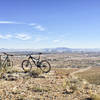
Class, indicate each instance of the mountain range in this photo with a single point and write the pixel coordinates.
(51, 50)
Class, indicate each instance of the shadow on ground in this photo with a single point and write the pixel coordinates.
(14, 75)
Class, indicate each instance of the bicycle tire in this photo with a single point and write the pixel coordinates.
(8, 65)
(27, 66)
(43, 66)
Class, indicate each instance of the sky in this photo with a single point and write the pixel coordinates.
(31, 24)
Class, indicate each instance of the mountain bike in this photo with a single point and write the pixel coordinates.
(44, 65)
(6, 63)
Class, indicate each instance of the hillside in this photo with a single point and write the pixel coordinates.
(56, 85)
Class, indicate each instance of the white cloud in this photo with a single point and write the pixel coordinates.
(8, 36)
(39, 27)
(38, 39)
(36, 26)
(32, 24)
(7, 22)
(10, 22)
(56, 41)
(23, 36)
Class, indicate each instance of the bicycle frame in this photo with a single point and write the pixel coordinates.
(6, 60)
(44, 65)
(34, 60)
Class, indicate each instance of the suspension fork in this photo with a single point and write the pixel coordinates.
(30, 58)
(34, 61)
(4, 62)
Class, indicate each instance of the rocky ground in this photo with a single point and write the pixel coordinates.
(59, 84)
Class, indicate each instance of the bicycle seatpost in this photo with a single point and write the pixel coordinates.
(39, 55)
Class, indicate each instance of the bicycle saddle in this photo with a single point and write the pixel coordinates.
(39, 53)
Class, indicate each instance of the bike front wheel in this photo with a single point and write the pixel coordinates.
(8, 65)
(45, 66)
(26, 65)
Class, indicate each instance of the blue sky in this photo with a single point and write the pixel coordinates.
(49, 23)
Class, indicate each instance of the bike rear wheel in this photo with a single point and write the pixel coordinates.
(45, 66)
(26, 65)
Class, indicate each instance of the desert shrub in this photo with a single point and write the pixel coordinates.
(74, 88)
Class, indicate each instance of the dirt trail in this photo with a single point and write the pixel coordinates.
(81, 70)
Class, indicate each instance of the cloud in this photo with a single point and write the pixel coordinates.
(23, 36)
(7, 22)
(36, 26)
(56, 41)
(11, 22)
(39, 27)
(38, 39)
(32, 24)
(8, 36)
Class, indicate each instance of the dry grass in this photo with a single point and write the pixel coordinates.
(92, 75)
(95, 97)
(56, 85)
(27, 87)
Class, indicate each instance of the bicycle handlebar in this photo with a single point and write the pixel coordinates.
(32, 54)
(7, 54)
